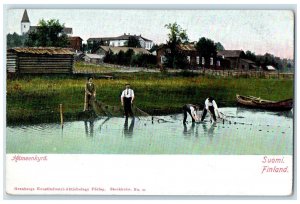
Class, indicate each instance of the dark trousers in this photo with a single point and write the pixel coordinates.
(89, 102)
(127, 107)
(212, 110)
(186, 110)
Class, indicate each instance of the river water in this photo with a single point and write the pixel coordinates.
(244, 132)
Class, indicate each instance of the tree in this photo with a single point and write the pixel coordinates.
(207, 49)
(176, 36)
(133, 42)
(15, 40)
(121, 57)
(219, 46)
(128, 55)
(48, 34)
(250, 55)
(154, 48)
(109, 57)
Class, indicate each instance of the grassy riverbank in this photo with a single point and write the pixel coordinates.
(37, 98)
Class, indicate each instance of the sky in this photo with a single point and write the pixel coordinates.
(260, 31)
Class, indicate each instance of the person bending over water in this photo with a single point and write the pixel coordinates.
(192, 111)
(211, 106)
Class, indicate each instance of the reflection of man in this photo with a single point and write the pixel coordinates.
(89, 129)
(128, 132)
(186, 131)
(210, 131)
(127, 98)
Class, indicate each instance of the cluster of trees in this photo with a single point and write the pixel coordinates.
(15, 40)
(269, 59)
(46, 34)
(129, 58)
(49, 34)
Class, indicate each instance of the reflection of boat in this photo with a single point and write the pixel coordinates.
(254, 102)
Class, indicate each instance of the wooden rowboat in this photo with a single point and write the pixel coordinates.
(254, 102)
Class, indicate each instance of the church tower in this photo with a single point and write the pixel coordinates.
(25, 23)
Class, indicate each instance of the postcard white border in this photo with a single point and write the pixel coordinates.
(81, 174)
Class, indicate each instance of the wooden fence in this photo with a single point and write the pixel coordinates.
(246, 74)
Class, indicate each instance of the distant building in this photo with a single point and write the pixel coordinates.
(25, 23)
(26, 26)
(188, 50)
(40, 60)
(270, 68)
(75, 43)
(121, 41)
(92, 58)
(235, 59)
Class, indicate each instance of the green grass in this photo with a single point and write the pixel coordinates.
(93, 68)
(36, 98)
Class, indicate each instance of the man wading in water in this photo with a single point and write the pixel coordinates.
(90, 94)
(127, 98)
(192, 110)
(211, 106)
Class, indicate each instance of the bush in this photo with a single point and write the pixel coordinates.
(129, 58)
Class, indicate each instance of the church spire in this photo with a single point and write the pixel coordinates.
(25, 18)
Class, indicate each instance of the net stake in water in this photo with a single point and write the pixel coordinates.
(61, 116)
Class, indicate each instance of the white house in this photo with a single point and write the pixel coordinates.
(122, 41)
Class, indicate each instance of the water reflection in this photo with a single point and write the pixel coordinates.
(188, 132)
(267, 133)
(128, 131)
(103, 122)
(241, 110)
(193, 130)
(287, 114)
(89, 128)
(209, 131)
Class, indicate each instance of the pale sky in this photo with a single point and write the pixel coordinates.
(260, 31)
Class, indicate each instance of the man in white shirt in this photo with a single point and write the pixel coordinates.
(211, 106)
(127, 98)
(192, 110)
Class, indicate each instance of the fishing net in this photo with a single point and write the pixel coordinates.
(102, 109)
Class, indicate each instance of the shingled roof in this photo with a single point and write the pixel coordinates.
(25, 18)
(231, 53)
(42, 50)
(187, 47)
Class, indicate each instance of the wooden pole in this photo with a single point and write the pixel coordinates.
(61, 116)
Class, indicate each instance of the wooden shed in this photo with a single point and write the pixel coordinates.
(40, 60)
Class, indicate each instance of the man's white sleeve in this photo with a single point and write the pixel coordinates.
(132, 95)
(206, 104)
(215, 105)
